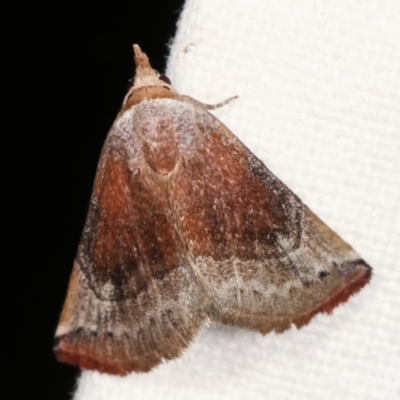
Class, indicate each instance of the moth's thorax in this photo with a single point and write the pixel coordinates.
(157, 140)
(164, 125)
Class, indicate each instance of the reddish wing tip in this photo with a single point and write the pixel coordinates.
(361, 276)
(86, 362)
(75, 355)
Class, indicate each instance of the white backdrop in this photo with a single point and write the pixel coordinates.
(319, 87)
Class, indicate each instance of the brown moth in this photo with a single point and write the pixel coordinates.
(186, 226)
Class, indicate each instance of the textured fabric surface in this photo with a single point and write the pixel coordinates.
(319, 103)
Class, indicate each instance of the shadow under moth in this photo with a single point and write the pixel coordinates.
(185, 227)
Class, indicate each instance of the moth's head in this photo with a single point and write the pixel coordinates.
(146, 77)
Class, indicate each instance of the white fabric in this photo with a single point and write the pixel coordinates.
(319, 87)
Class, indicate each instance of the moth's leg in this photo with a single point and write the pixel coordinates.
(211, 106)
